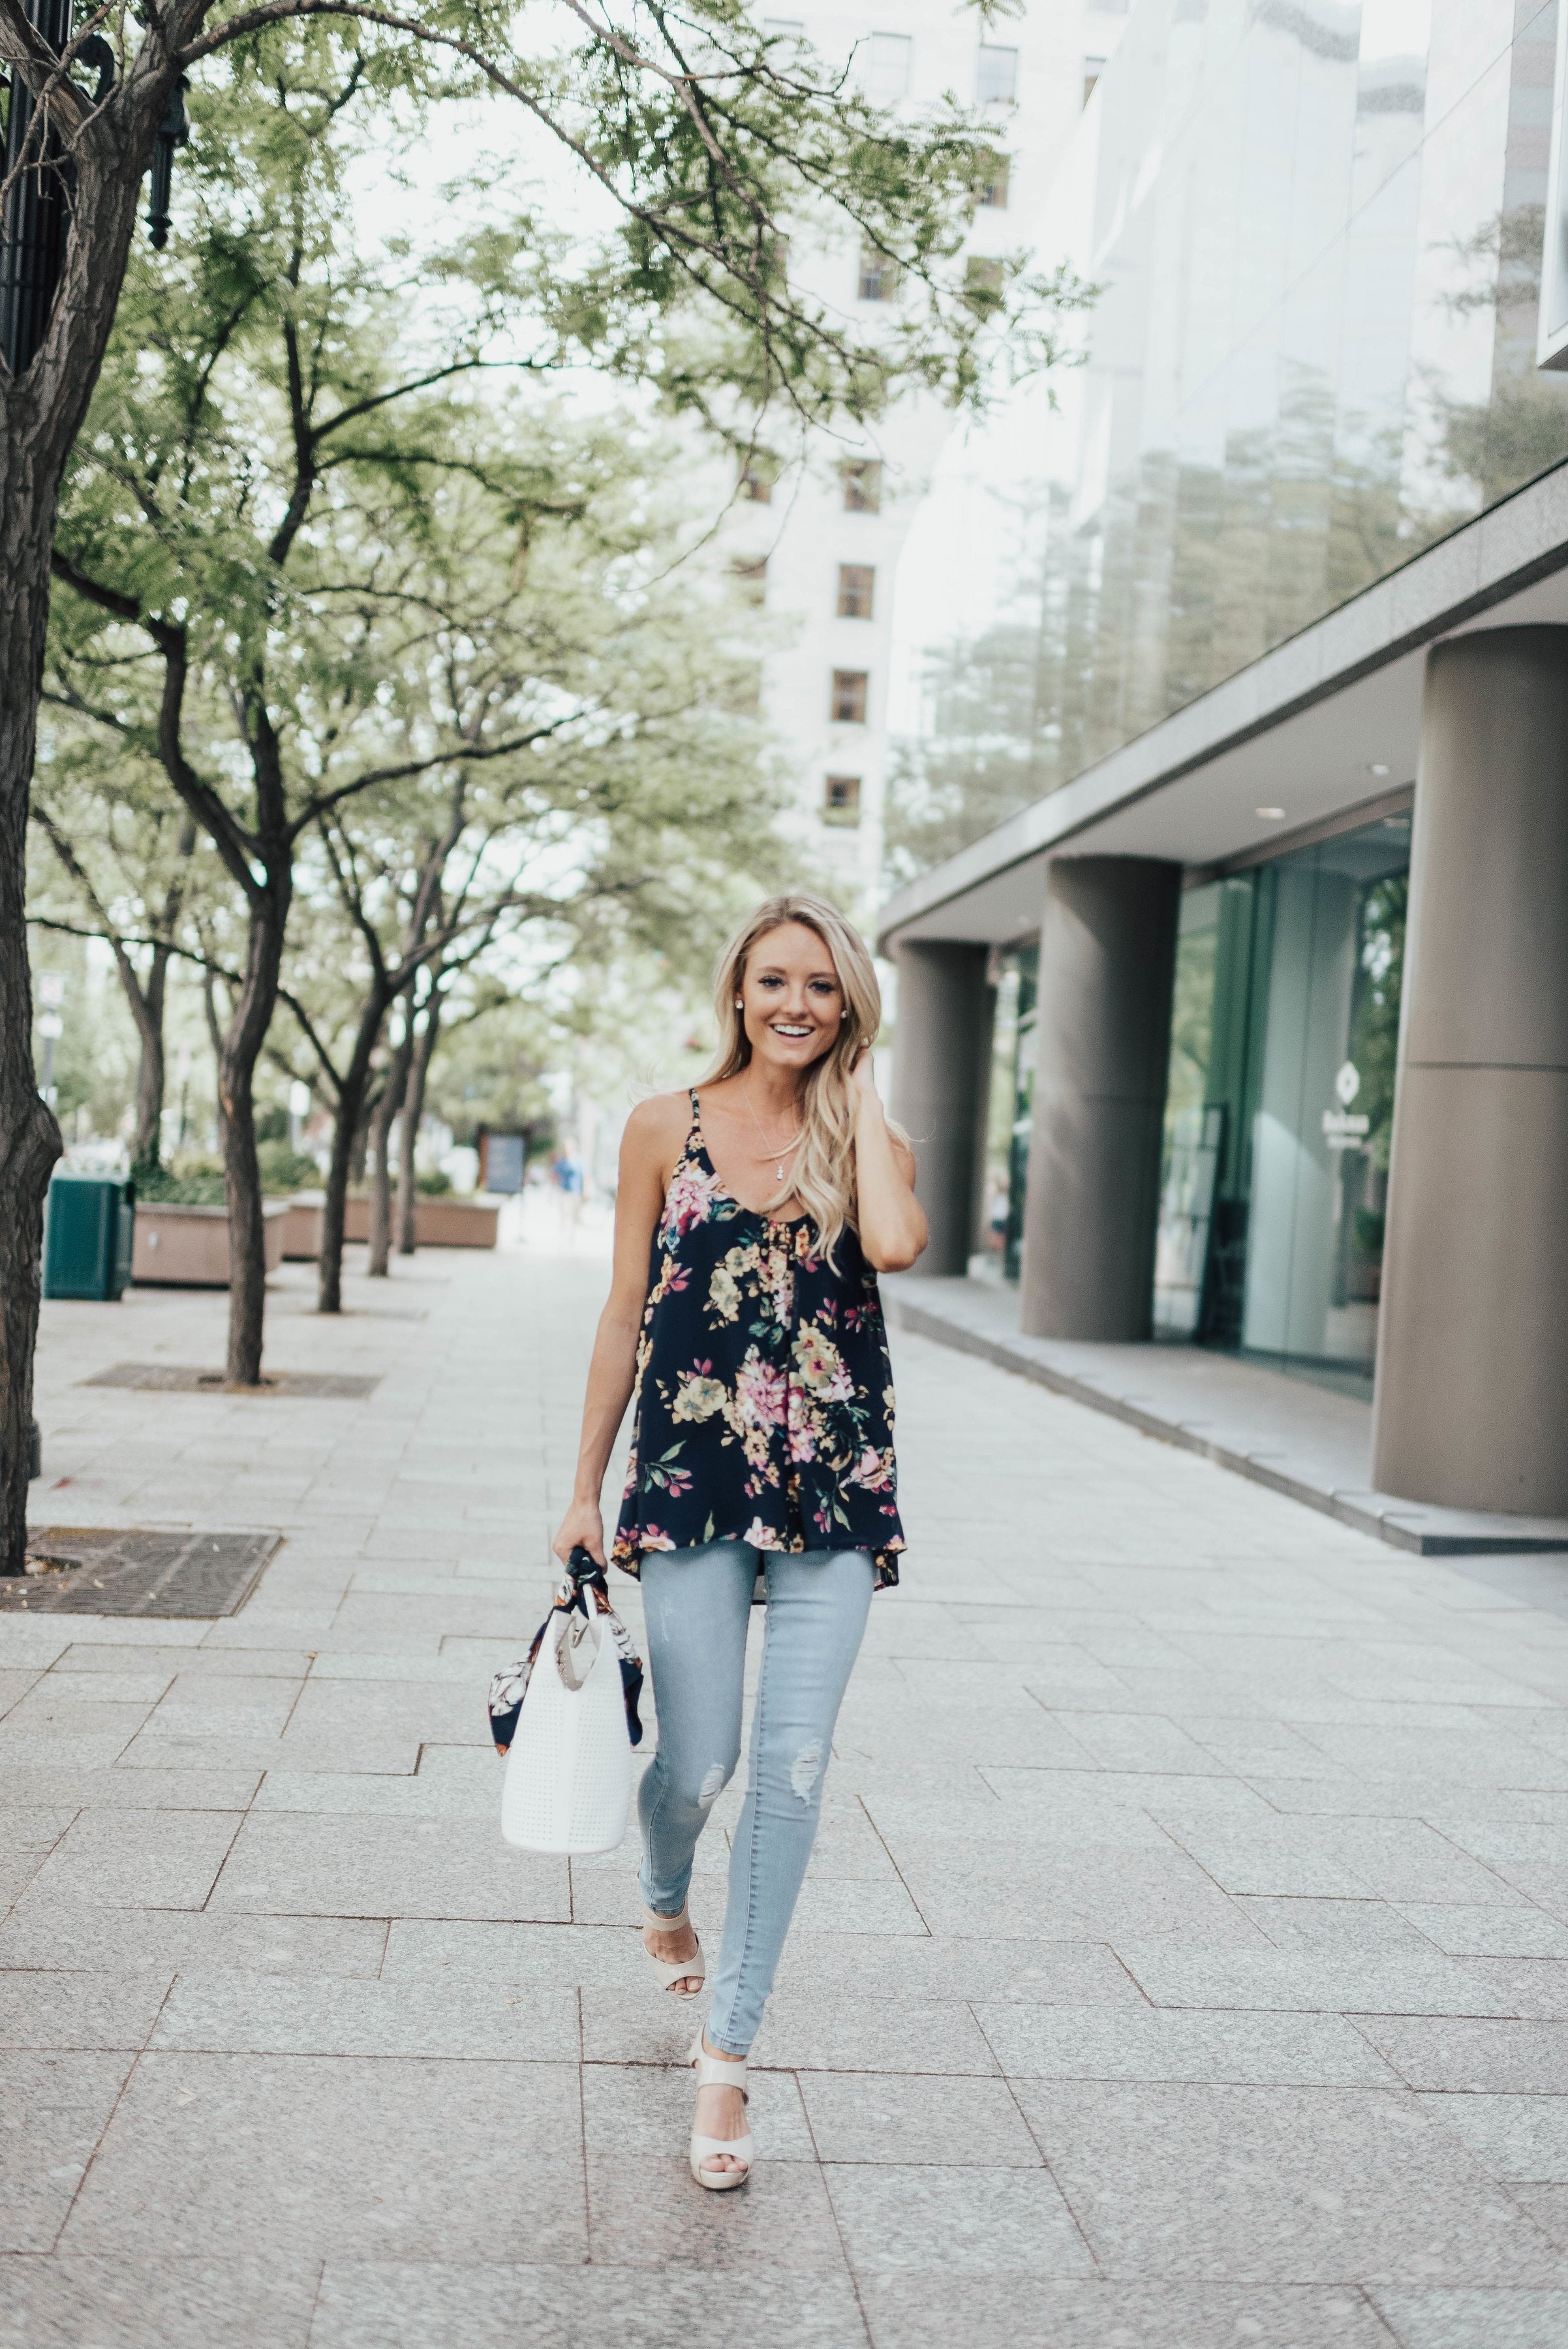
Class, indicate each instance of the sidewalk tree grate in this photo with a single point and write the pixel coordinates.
(102, 1570)
(170, 1378)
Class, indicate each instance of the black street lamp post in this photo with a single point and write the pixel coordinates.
(34, 222)
(36, 210)
(172, 132)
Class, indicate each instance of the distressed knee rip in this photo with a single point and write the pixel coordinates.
(806, 1769)
(713, 1786)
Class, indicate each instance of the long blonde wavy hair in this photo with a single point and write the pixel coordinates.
(824, 1175)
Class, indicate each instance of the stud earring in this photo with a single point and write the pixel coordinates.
(739, 1006)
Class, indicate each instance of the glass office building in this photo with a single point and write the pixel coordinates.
(1228, 839)
(1317, 230)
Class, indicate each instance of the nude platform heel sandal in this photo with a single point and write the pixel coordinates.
(718, 2072)
(693, 1968)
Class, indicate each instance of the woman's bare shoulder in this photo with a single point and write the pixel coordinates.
(657, 1127)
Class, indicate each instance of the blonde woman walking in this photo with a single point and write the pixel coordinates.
(753, 1218)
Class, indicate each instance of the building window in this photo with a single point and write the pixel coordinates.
(841, 799)
(991, 189)
(996, 76)
(879, 280)
(863, 485)
(758, 474)
(983, 291)
(889, 62)
(856, 587)
(1093, 68)
(849, 696)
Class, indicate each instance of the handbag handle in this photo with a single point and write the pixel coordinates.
(587, 1573)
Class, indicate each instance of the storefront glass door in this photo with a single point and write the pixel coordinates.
(1281, 1106)
(1008, 1115)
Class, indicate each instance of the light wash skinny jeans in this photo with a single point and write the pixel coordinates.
(697, 1604)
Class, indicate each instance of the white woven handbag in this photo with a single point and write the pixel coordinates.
(568, 1788)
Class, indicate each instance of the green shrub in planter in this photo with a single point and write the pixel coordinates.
(199, 1183)
(285, 1170)
(434, 1185)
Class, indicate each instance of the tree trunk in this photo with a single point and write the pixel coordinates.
(146, 1002)
(152, 1076)
(394, 1097)
(409, 1133)
(335, 1202)
(41, 410)
(241, 1047)
(347, 1129)
(147, 1144)
(215, 1037)
(30, 1138)
(359, 1145)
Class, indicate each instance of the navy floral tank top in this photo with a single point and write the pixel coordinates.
(764, 1394)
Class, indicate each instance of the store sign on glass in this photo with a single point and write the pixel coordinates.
(1344, 1128)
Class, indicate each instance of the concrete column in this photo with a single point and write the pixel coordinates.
(1107, 959)
(941, 1063)
(1471, 1406)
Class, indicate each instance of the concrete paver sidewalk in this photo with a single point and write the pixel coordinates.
(1184, 1960)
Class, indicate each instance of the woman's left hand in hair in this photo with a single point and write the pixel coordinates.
(893, 1229)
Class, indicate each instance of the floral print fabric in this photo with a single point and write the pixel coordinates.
(764, 1394)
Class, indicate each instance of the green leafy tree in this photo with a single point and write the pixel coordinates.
(496, 1048)
(704, 142)
(633, 807)
(115, 858)
(276, 540)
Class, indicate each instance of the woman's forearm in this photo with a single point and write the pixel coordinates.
(610, 1376)
(893, 1228)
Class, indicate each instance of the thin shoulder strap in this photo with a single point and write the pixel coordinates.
(696, 1113)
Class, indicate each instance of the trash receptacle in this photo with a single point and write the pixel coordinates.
(88, 1226)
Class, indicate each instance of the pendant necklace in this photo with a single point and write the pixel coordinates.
(768, 1150)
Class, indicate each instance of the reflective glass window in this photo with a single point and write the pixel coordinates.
(1280, 1106)
(862, 479)
(1010, 1106)
(1318, 233)
(841, 799)
(996, 76)
(889, 63)
(848, 699)
(856, 590)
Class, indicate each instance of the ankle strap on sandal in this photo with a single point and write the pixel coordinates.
(717, 2071)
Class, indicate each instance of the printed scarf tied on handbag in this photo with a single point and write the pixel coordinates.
(583, 1586)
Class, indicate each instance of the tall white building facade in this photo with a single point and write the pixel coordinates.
(819, 542)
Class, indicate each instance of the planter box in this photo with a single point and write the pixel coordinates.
(301, 1228)
(454, 1223)
(188, 1247)
(438, 1223)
